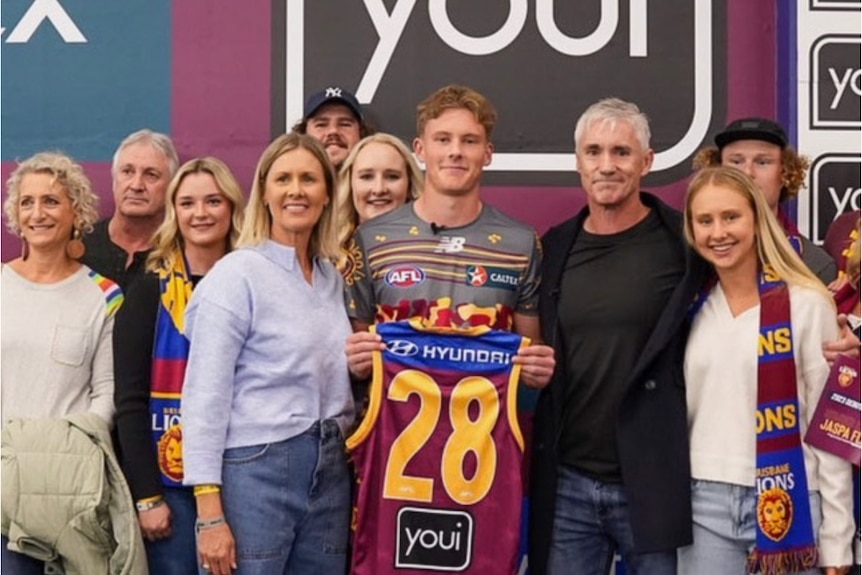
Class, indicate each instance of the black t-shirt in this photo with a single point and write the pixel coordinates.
(107, 258)
(613, 290)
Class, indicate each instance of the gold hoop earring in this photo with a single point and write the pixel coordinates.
(75, 249)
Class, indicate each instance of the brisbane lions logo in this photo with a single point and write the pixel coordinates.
(846, 376)
(171, 453)
(774, 513)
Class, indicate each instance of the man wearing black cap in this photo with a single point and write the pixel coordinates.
(334, 116)
(759, 147)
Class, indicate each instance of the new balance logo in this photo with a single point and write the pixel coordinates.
(450, 245)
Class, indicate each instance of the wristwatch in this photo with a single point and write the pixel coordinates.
(146, 505)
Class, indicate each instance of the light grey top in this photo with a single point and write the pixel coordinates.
(267, 356)
(56, 347)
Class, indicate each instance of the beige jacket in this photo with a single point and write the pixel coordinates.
(64, 499)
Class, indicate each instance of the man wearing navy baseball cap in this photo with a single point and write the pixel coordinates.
(334, 116)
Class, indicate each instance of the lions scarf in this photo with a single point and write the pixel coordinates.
(785, 537)
(170, 354)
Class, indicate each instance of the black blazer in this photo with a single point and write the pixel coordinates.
(652, 430)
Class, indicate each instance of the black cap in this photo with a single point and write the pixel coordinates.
(329, 95)
(752, 129)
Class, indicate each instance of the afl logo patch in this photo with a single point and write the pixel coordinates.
(405, 277)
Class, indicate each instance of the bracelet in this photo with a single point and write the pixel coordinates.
(209, 523)
(208, 488)
(149, 503)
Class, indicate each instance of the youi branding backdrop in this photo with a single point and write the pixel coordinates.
(540, 62)
(224, 77)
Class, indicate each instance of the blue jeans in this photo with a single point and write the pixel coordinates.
(178, 554)
(724, 528)
(14, 563)
(591, 522)
(288, 504)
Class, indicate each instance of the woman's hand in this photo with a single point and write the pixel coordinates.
(360, 349)
(216, 545)
(217, 549)
(156, 522)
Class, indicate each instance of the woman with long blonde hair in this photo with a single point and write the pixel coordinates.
(378, 176)
(763, 501)
(267, 394)
(203, 217)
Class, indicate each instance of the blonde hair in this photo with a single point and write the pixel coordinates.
(348, 216)
(456, 97)
(68, 174)
(794, 167)
(773, 247)
(257, 227)
(168, 240)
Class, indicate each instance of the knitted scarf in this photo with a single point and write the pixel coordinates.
(170, 354)
(793, 235)
(785, 539)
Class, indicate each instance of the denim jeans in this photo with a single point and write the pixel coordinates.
(591, 522)
(724, 528)
(288, 504)
(14, 563)
(178, 554)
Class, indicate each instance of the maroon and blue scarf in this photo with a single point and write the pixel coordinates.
(785, 536)
(170, 354)
(785, 540)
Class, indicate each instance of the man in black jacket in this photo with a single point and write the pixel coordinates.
(610, 462)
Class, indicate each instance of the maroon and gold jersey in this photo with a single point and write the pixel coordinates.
(438, 454)
(400, 267)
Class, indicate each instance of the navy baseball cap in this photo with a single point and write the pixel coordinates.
(752, 129)
(333, 94)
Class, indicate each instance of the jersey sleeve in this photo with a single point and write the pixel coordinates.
(528, 294)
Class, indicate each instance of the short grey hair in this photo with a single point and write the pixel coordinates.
(614, 110)
(157, 140)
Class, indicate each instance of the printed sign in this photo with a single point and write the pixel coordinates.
(835, 5)
(541, 63)
(836, 426)
(836, 87)
(81, 75)
(835, 188)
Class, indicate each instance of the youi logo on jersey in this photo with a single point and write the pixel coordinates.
(434, 539)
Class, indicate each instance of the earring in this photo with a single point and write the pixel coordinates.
(75, 249)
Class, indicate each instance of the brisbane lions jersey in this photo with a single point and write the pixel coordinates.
(438, 454)
(400, 267)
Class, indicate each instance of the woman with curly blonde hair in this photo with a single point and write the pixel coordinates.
(58, 316)
(760, 148)
(204, 209)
